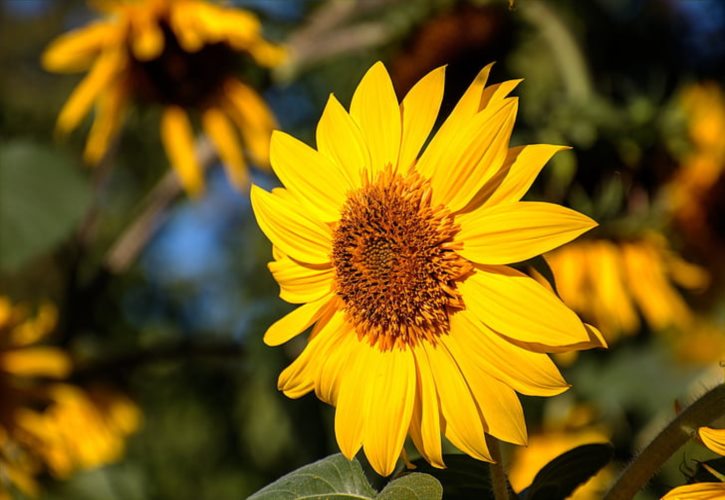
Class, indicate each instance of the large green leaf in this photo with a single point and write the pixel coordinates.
(42, 197)
(334, 478)
(414, 486)
(560, 477)
(463, 478)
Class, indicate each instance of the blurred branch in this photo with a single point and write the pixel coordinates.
(135, 237)
(161, 353)
(700, 413)
(327, 34)
(571, 63)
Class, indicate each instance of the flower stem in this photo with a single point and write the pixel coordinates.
(499, 483)
(703, 411)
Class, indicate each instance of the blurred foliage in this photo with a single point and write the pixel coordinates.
(181, 329)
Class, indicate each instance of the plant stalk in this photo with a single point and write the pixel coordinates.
(499, 483)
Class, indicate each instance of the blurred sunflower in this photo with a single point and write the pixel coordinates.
(181, 54)
(607, 282)
(399, 260)
(559, 436)
(41, 418)
(696, 192)
(714, 439)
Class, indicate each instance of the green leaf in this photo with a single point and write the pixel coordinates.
(560, 477)
(42, 197)
(463, 478)
(334, 478)
(413, 486)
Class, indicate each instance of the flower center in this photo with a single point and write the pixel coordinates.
(396, 268)
(187, 79)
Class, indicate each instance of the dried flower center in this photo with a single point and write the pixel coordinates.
(187, 79)
(396, 268)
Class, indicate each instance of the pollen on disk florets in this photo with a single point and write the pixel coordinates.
(395, 261)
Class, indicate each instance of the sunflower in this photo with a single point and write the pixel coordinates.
(399, 260)
(180, 54)
(714, 439)
(608, 282)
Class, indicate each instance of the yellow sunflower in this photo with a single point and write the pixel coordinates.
(181, 54)
(400, 261)
(608, 282)
(714, 439)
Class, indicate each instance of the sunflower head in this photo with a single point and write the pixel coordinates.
(399, 259)
(182, 55)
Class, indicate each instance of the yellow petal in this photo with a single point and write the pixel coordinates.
(464, 425)
(300, 283)
(493, 96)
(419, 111)
(147, 39)
(76, 50)
(519, 308)
(302, 375)
(391, 381)
(101, 75)
(295, 322)
(714, 439)
(459, 168)
(36, 361)
(324, 192)
(109, 116)
(220, 131)
(352, 402)
(515, 232)
(497, 402)
(520, 168)
(609, 286)
(530, 373)
(375, 108)
(252, 117)
(425, 426)
(339, 138)
(283, 222)
(178, 139)
(697, 491)
(334, 363)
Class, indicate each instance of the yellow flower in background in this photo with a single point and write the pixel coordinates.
(46, 424)
(557, 437)
(181, 54)
(695, 194)
(103, 418)
(611, 283)
(714, 439)
(399, 259)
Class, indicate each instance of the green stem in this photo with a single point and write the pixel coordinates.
(499, 483)
(703, 411)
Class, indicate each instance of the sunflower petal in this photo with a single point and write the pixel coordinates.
(109, 116)
(477, 152)
(340, 138)
(76, 50)
(530, 373)
(497, 401)
(519, 308)
(352, 403)
(334, 364)
(515, 232)
(283, 222)
(520, 168)
(79, 103)
(295, 322)
(252, 117)
(464, 426)
(220, 131)
(178, 139)
(300, 283)
(714, 439)
(323, 193)
(375, 108)
(36, 361)
(419, 111)
(391, 385)
(426, 421)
